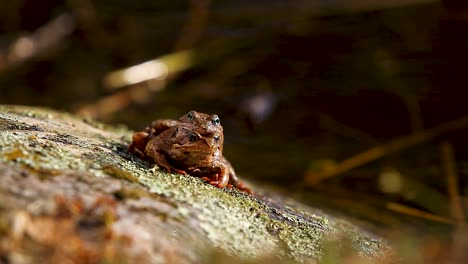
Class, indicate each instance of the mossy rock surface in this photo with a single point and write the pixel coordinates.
(69, 190)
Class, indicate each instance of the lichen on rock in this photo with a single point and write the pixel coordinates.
(56, 160)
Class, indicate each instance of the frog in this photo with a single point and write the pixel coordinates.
(193, 145)
(202, 123)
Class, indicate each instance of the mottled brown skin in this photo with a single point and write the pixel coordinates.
(192, 144)
(203, 124)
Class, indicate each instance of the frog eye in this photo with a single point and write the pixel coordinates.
(190, 115)
(193, 137)
(216, 138)
(215, 120)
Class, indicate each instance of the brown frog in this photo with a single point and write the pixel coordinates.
(192, 144)
(201, 123)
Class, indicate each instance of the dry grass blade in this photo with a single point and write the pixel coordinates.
(395, 145)
(38, 43)
(450, 171)
(406, 210)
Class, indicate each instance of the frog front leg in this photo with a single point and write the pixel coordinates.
(221, 179)
(233, 179)
(238, 184)
(161, 160)
(139, 141)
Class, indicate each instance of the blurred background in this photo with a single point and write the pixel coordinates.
(357, 107)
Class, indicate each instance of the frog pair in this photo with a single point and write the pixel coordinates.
(192, 144)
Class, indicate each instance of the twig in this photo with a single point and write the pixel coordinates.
(334, 126)
(105, 107)
(395, 145)
(413, 110)
(459, 242)
(199, 11)
(450, 171)
(41, 41)
(403, 209)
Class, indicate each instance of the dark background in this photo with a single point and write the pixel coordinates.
(299, 86)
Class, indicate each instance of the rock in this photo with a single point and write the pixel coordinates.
(70, 191)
